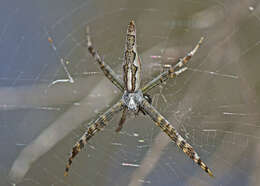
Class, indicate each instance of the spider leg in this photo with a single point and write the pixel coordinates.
(172, 71)
(122, 120)
(94, 127)
(140, 109)
(107, 70)
(149, 99)
(174, 135)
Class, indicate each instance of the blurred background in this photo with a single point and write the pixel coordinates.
(46, 103)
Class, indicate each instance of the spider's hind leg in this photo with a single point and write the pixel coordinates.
(107, 70)
(172, 70)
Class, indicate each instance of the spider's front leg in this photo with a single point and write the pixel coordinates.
(149, 99)
(109, 73)
(174, 135)
(94, 127)
(172, 71)
(122, 120)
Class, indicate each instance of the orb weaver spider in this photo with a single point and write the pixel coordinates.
(134, 98)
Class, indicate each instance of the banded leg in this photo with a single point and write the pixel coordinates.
(172, 71)
(174, 135)
(94, 127)
(109, 73)
(122, 120)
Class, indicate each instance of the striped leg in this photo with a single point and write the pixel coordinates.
(109, 73)
(122, 120)
(94, 127)
(172, 71)
(174, 135)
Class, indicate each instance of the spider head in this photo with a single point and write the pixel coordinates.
(132, 105)
(132, 100)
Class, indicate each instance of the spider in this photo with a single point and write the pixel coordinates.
(134, 98)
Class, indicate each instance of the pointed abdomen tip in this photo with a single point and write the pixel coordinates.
(132, 22)
(131, 27)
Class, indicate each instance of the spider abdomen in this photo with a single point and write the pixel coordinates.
(132, 64)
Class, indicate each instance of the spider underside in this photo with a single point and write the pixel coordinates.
(134, 98)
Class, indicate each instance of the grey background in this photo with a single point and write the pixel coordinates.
(214, 105)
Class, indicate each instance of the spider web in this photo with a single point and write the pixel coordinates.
(46, 103)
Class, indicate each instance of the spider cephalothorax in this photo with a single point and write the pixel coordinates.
(134, 98)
